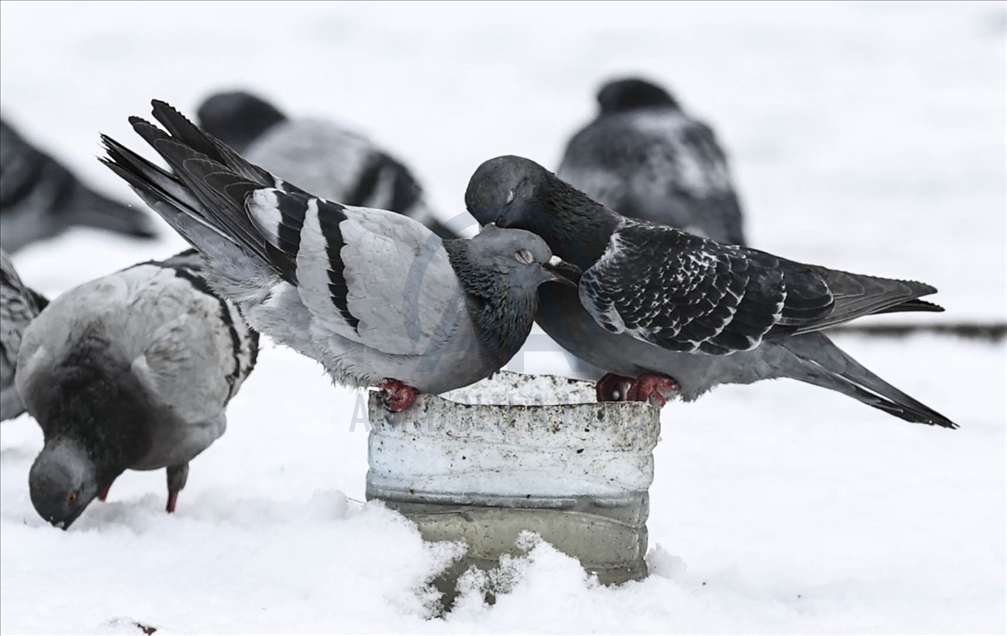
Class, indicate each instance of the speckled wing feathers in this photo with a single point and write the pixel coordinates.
(685, 293)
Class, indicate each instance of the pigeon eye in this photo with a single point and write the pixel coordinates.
(73, 497)
(524, 256)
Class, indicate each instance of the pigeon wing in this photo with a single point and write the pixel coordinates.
(373, 276)
(686, 293)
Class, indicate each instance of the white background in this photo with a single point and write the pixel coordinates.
(865, 137)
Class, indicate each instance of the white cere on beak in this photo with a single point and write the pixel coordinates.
(555, 260)
(524, 256)
(510, 196)
(60, 524)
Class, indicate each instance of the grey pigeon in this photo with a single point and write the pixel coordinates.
(374, 296)
(645, 158)
(130, 371)
(40, 199)
(319, 156)
(665, 312)
(18, 306)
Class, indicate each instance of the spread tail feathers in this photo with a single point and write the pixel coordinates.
(230, 265)
(820, 362)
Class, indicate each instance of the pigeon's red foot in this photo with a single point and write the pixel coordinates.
(613, 388)
(654, 388)
(103, 493)
(172, 500)
(398, 396)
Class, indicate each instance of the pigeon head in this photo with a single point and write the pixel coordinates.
(521, 257)
(237, 118)
(96, 416)
(62, 481)
(500, 271)
(514, 192)
(620, 96)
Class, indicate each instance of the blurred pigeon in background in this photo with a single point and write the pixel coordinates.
(372, 295)
(645, 158)
(18, 306)
(40, 199)
(130, 371)
(668, 313)
(317, 156)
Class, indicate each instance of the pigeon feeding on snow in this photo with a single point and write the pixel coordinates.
(318, 156)
(665, 312)
(372, 295)
(18, 306)
(645, 158)
(40, 199)
(130, 371)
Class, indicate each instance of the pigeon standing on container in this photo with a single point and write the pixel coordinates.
(318, 156)
(40, 199)
(645, 158)
(374, 296)
(130, 371)
(669, 313)
(19, 305)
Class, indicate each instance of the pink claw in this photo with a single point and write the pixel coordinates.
(398, 396)
(654, 388)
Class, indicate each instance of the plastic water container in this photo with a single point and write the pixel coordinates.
(519, 452)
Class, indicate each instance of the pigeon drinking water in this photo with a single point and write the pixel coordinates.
(374, 296)
(316, 155)
(40, 199)
(130, 371)
(668, 313)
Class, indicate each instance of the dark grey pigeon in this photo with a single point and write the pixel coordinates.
(374, 296)
(645, 158)
(668, 313)
(40, 199)
(319, 156)
(19, 305)
(130, 371)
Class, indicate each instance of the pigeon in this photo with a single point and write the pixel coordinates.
(666, 313)
(319, 156)
(130, 371)
(18, 306)
(645, 158)
(374, 296)
(40, 199)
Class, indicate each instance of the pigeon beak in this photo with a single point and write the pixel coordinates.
(60, 524)
(562, 272)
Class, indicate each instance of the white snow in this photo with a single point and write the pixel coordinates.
(866, 137)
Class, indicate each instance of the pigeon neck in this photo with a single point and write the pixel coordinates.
(503, 313)
(577, 228)
(96, 401)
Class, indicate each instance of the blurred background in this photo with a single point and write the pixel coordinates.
(868, 137)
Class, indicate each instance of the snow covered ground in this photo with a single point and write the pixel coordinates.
(868, 137)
